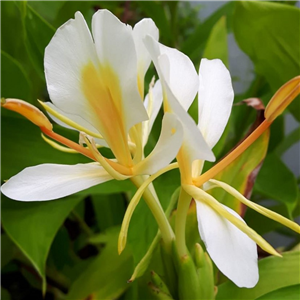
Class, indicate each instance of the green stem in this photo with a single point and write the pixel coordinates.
(180, 224)
(158, 213)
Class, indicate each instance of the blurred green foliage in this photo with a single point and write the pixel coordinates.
(48, 246)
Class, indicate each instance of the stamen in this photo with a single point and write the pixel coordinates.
(232, 155)
(27, 110)
(114, 169)
(68, 143)
(260, 209)
(199, 195)
(57, 146)
(68, 121)
(138, 155)
(134, 202)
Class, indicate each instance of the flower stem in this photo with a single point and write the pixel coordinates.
(158, 213)
(181, 215)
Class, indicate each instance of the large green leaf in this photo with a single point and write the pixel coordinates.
(156, 11)
(37, 34)
(22, 146)
(216, 45)
(274, 273)
(195, 43)
(287, 293)
(33, 226)
(276, 181)
(14, 80)
(270, 34)
(106, 276)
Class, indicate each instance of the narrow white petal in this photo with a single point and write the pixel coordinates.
(194, 145)
(152, 103)
(233, 252)
(140, 30)
(181, 76)
(50, 181)
(116, 50)
(215, 99)
(166, 148)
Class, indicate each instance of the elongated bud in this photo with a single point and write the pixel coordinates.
(160, 284)
(282, 98)
(27, 110)
(205, 273)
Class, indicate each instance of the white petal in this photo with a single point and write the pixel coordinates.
(152, 103)
(233, 252)
(194, 145)
(50, 181)
(70, 49)
(181, 77)
(215, 99)
(140, 30)
(116, 49)
(166, 148)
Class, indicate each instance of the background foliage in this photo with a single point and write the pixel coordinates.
(66, 248)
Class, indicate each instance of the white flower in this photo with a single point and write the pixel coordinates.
(229, 241)
(96, 84)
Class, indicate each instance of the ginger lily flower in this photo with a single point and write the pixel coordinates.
(96, 84)
(229, 241)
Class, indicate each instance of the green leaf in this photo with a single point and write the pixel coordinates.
(287, 293)
(5, 294)
(106, 276)
(155, 10)
(8, 250)
(12, 36)
(37, 35)
(33, 226)
(261, 29)
(274, 273)
(276, 181)
(22, 146)
(194, 44)
(14, 83)
(216, 45)
(109, 209)
(288, 141)
(48, 10)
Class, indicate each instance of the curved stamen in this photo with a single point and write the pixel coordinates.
(199, 195)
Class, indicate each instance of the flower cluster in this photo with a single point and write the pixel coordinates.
(96, 84)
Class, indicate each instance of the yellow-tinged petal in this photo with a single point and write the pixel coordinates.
(27, 110)
(262, 210)
(200, 195)
(101, 88)
(282, 98)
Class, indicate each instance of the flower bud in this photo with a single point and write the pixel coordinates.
(27, 110)
(282, 98)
